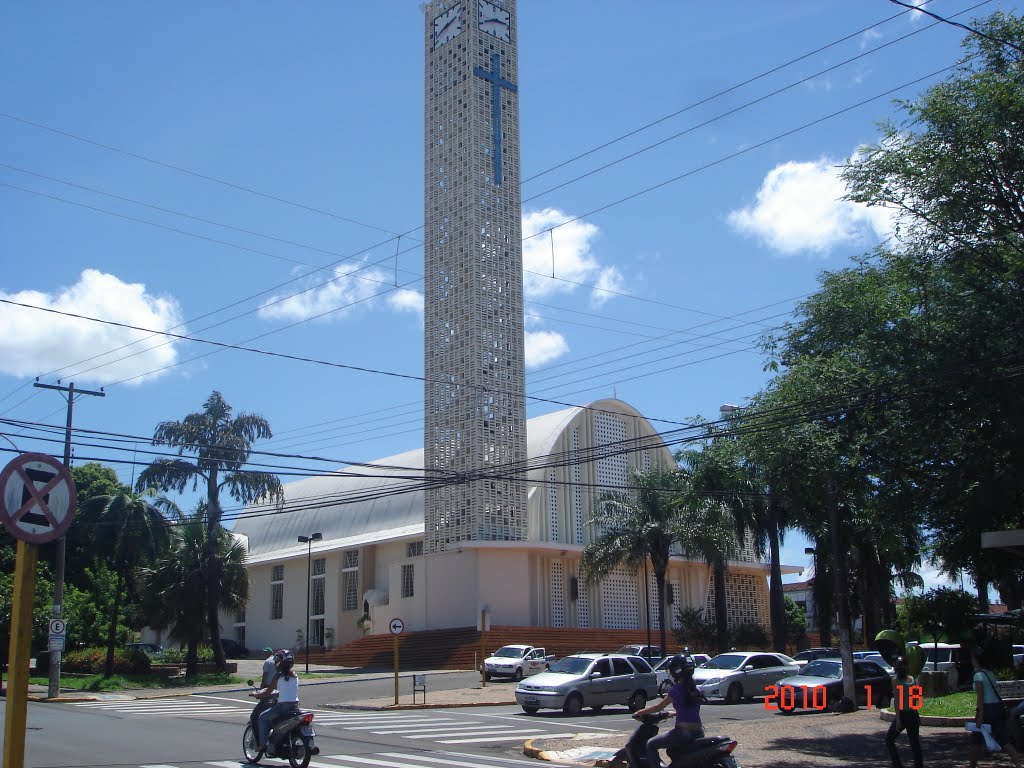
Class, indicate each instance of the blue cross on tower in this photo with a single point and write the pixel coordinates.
(497, 83)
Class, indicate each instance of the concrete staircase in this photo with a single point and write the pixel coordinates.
(460, 648)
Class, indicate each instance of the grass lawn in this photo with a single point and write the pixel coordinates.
(128, 682)
(954, 705)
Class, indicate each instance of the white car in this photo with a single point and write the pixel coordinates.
(738, 675)
(517, 662)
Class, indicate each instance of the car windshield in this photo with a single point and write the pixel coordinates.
(726, 661)
(571, 665)
(508, 652)
(824, 668)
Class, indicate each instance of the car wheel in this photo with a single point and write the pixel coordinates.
(573, 705)
(637, 701)
(518, 674)
(531, 710)
(734, 694)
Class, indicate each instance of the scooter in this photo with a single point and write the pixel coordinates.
(292, 737)
(709, 752)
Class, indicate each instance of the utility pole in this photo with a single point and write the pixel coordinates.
(58, 571)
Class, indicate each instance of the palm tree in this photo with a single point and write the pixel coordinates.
(176, 585)
(130, 531)
(634, 528)
(710, 499)
(221, 445)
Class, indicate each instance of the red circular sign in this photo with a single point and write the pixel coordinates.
(39, 498)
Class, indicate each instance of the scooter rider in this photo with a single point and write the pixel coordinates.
(269, 670)
(286, 684)
(686, 700)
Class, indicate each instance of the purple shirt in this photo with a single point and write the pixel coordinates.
(686, 700)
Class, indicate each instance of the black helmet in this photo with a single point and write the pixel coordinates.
(681, 666)
(284, 660)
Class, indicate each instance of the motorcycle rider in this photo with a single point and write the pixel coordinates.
(686, 700)
(269, 670)
(286, 684)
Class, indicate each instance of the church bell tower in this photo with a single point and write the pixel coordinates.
(475, 423)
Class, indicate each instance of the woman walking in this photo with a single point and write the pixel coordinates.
(988, 710)
(906, 717)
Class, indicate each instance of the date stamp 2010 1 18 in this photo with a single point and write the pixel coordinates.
(787, 697)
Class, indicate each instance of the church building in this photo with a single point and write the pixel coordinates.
(487, 521)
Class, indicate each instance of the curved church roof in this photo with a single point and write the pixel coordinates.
(360, 504)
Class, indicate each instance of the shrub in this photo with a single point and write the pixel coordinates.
(749, 635)
(92, 661)
(180, 655)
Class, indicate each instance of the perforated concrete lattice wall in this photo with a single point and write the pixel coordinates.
(611, 467)
(582, 602)
(746, 596)
(619, 601)
(473, 310)
(557, 591)
(553, 506)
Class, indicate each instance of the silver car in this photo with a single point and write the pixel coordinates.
(589, 680)
(737, 675)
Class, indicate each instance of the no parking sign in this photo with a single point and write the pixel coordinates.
(38, 498)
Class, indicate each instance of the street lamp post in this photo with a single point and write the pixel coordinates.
(308, 540)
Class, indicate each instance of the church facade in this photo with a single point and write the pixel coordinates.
(488, 520)
(371, 557)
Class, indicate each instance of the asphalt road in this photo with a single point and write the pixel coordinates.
(206, 730)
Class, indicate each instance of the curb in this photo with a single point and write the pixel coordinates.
(932, 720)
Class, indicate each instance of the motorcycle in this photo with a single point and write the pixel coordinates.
(708, 752)
(291, 737)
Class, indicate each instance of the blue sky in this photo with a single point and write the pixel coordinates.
(210, 166)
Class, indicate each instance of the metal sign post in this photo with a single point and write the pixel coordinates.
(396, 626)
(15, 721)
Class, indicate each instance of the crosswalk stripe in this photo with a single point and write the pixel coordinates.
(489, 739)
(428, 727)
(472, 732)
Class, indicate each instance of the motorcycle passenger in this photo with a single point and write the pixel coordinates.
(686, 700)
(286, 684)
(269, 670)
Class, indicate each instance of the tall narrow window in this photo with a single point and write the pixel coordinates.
(317, 601)
(277, 592)
(350, 581)
(414, 549)
(408, 580)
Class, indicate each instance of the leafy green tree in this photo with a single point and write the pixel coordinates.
(176, 587)
(696, 632)
(221, 445)
(940, 613)
(796, 621)
(131, 532)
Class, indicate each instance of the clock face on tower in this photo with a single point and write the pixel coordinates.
(448, 25)
(494, 20)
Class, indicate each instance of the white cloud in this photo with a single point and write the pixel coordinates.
(799, 208)
(870, 35)
(543, 347)
(569, 245)
(34, 343)
(352, 284)
(610, 279)
(405, 300)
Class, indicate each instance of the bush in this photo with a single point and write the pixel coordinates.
(180, 655)
(92, 661)
(748, 636)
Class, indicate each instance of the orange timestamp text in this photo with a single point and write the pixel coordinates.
(786, 697)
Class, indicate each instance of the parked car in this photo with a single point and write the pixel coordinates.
(650, 652)
(1018, 655)
(149, 649)
(665, 679)
(233, 649)
(877, 658)
(517, 662)
(816, 653)
(819, 685)
(592, 680)
(738, 675)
